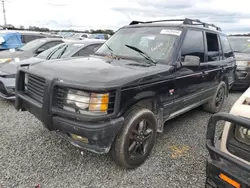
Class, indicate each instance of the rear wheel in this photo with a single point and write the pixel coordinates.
(215, 104)
(136, 138)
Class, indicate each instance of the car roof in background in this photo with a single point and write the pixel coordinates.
(85, 41)
(239, 36)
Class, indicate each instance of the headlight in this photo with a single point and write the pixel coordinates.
(79, 99)
(242, 134)
(6, 60)
(86, 103)
(243, 63)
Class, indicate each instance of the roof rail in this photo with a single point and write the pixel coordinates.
(186, 21)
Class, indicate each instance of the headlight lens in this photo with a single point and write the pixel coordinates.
(243, 63)
(242, 134)
(86, 103)
(78, 99)
(6, 60)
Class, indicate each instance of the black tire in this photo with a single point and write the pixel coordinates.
(215, 104)
(127, 139)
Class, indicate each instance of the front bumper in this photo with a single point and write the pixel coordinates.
(242, 78)
(222, 163)
(7, 88)
(215, 168)
(97, 134)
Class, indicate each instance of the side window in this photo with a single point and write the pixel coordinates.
(50, 44)
(27, 38)
(91, 49)
(213, 50)
(227, 50)
(193, 45)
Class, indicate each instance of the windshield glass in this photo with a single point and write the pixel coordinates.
(240, 44)
(45, 54)
(33, 45)
(61, 51)
(157, 42)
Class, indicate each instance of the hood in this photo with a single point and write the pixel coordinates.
(11, 68)
(242, 56)
(15, 54)
(100, 72)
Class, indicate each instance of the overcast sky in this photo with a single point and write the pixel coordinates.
(233, 16)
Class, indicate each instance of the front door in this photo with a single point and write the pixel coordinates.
(189, 84)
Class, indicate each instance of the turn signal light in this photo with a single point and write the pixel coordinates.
(229, 180)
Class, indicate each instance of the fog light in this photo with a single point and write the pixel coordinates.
(79, 138)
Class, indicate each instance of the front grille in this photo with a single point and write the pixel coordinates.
(60, 94)
(35, 87)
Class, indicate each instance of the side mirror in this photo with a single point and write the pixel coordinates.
(40, 50)
(191, 60)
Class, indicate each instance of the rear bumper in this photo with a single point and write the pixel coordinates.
(7, 88)
(242, 78)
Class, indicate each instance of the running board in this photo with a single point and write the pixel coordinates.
(186, 109)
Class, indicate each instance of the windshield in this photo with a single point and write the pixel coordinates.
(45, 54)
(61, 51)
(32, 45)
(156, 42)
(240, 44)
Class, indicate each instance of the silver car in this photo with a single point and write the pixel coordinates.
(64, 50)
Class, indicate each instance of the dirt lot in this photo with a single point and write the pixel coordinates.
(31, 155)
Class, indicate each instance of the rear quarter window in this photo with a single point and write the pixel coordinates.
(226, 47)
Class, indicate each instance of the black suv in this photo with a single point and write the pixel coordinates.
(118, 99)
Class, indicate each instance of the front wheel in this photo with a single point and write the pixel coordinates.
(136, 139)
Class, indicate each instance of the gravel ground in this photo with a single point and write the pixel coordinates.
(31, 155)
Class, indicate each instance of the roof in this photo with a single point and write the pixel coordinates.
(178, 23)
(239, 36)
(85, 41)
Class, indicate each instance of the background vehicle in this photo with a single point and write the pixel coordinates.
(30, 49)
(10, 39)
(118, 99)
(241, 47)
(98, 36)
(63, 50)
(80, 36)
(229, 162)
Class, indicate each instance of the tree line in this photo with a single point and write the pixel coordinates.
(44, 29)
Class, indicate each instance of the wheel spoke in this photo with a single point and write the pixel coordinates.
(141, 148)
(148, 134)
(142, 127)
(133, 147)
(135, 132)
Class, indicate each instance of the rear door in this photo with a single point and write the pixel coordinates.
(229, 59)
(213, 57)
(220, 61)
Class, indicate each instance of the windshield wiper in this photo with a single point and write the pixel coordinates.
(60, 55)
(112, 52)
(144, 54)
